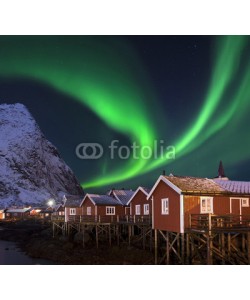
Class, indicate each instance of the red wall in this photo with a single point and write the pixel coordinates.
(169, 222)
(140, 199)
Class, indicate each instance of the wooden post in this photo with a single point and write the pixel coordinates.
(129, 234)
(223, 247)
(183, 248)
(229, 245)
(167, 248)
(83, 233)
(143, 237)
(209, 242)
(243, 242)
(53, 230)
(248, 246)
(109, 235)
(187, 249)
(117, 233)
(156, 248)
(96, 235)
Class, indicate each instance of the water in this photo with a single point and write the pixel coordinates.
(10, 254)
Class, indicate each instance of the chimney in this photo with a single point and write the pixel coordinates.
(163, 172)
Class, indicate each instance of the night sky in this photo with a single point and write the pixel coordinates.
(190, 92)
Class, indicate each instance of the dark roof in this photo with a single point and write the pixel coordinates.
(237, 187)
(195, 184)
(122, 195)
(103, 199)
(72, 200)
(58, 207)
(147, 190)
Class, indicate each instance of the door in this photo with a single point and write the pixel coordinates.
(235, 206)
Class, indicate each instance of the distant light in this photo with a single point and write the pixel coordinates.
(50, 202)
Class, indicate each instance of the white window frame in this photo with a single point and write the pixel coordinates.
(110, 210)
(138, 209)
(165, 206)
(246, 204)
(89, 210)
(146, 209)
(206, 210)
(72, 211)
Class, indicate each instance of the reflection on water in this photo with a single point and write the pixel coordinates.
(10, 254)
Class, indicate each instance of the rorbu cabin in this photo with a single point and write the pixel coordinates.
(17, 213)
(139, 204)
(123, 196)
(72, 209)
(101, 208)
(239, 201)
(175, 199)
(58, 210)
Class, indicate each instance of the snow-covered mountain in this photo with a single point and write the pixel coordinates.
(31, 170)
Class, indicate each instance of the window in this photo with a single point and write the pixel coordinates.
(72, 211)
(89, 210)
(138, 209)
(146, 209)
(165, 206)
(245, 202)
(110, 210)
(206, 205)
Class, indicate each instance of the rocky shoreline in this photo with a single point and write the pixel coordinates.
(35, 239)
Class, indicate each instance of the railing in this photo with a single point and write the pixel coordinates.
(116, 219)
(57, 218)
(210, 222)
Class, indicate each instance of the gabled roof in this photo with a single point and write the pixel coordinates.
(237, 187)
(101, 200)
(122, 195)
(58, 207)
(190, 185)
(17, 210)
(142, 189)
(72, 202)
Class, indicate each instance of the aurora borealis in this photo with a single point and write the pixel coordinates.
(192, 92)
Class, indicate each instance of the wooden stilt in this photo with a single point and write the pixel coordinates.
(167, 248)
(187, 249)
(223, 247)
(248, 247)
(183, 248)
(229, 245)
(96, 235)
(156, 247)
(109, 235)
(143, 237)
(129, 235)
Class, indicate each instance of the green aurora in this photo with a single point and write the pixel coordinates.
(111, 80)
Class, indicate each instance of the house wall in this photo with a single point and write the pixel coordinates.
(140, 199)
(170, 222)
(88, 203)
(67, 212)
(221, 206)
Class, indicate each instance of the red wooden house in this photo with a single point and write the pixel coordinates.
(139, 204)
(123, 196)
(101, 207)
(72, 209)
(175, 198)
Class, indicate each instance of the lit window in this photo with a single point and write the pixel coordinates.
(245, 202)
(138, 209)
(165, 206)
(207, 205)
(110, 210)
(146, 209)
(72, 211)
(89, 210)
